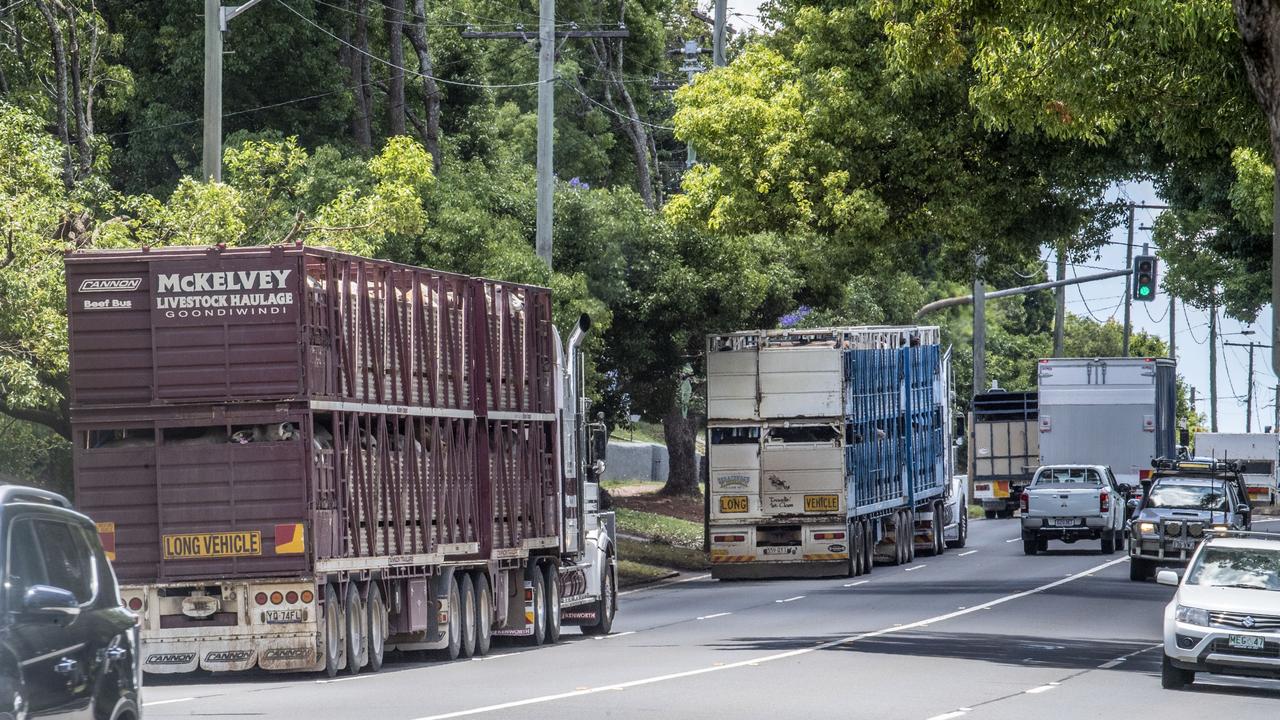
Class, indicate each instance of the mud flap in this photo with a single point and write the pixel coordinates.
(439, 617)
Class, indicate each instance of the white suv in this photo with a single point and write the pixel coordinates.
(1225, 617)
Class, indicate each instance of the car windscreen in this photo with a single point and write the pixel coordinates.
(1251, 568)
(1188, 497)
(1068, 476)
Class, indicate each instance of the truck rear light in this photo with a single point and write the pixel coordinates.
(1104, 501)
(277, 597)
(308, 596)
(135, 604)
(728, 538)
(291, 597)
(1024, 501)
(260, 598)
(829, 536)
(1144, 475)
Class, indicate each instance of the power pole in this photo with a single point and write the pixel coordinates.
(717, 33)
(1060, 305)
(1173, 329)
(1128, 282)
(216, 19)
(979, 333)
(691, 67)
(547, 36)
(546, 125)
(1213, 365)
(1248, 401)
(1276, 426)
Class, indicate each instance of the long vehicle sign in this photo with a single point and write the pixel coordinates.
(212, 545)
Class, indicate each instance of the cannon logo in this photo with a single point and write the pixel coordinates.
(170, 658)
(228, 656)
(110, 284)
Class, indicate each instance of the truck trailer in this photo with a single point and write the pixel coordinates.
(300, 459)
(1004, 449)
(829, 449)
(1256, 453)
(1118, 412)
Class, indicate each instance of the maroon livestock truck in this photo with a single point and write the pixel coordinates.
(299, 459)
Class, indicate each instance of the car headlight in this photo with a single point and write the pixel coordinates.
(1192, 616)
(1146, 528)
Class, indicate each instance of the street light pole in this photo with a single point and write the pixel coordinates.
(216, 19)
(1248, 401)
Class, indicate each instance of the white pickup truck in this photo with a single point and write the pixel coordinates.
(1070, 503)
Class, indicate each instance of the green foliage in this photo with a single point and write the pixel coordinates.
(660, 528)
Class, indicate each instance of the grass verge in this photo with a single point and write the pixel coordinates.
(660, 555)
(634, 573)
(660, 528)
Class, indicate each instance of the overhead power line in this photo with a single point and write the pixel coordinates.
(608, 109)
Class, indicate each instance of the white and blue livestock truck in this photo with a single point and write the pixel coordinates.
(829, 450)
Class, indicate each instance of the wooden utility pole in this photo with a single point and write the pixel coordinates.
(1213, 366)
(1128, 283)
(1060, 305)
(1248, 401)
(717, 33)
(216, 19)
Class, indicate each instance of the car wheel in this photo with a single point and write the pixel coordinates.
(1138, 569)
(1042, 544)
(1174, 678)
(1030, 545)
(1108, 542)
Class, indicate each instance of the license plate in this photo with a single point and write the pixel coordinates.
(789, 550)
(284, 616)
(733, 503)
(1064, 522)
(1182, 544)
(821, 503)
(1245, 642)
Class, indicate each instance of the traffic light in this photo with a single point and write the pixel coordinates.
(1144, 278)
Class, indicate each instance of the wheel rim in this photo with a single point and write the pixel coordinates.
(333, 628)
(377, 624)
(455, 622)
(539, 610)
(608, 595)
(469, 620)
(484, 615)
(553, 600)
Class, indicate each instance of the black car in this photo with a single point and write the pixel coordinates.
(68, 647)
(1186, 500)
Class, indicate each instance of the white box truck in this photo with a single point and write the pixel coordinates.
(1118, 412)
(1258, 452)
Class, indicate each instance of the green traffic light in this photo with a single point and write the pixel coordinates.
(1144, 291)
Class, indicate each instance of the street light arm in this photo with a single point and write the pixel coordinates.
(966, 299)
(235, 11)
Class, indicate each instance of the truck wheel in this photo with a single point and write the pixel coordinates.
(604, 607)
(1174, 678)
(553, 602)
(1108, 542)
(1139, 569)
(377, 624)
(963, 530)
(454, 628)
(939, 529)
(467, 622)
(332, 631)
(909, 530)
(357, 637)
(484, 614)
(1030, 545)
(868, 546)
(991, 514)
(539, 635)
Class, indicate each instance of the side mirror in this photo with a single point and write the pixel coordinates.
(1125, 489)
(1131, 503)
(1243, 509)
(1167, 577)
(49, 600)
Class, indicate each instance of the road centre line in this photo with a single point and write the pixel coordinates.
(949, 716)
(917, 567)
(970, 552)
(775, 657)
(716, 615)
(1013, 540)
(166, 702)
(1113, 663)
(790, 599)
(616, 635)
(1042, 688)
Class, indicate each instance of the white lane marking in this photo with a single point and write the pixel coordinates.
(969, 552)
(1113, 663)
(657, 585)
(345, 679)
(616, 635)
(917, 567)
(708, 617)
(1013, 540)
(1042, 688)
(950, 715)
(166, 702)
(775, 657)
(790, 599)
(856, 584)
(1110, 664)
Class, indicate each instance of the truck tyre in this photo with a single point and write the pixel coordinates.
(1030, 544)
(909, 530)
(854, 566)
(539, 634)
(467, 623)
(454, 628)
(939, 529)
(484, 614)
(895, 557)
(553, 602)
(333, 639)
(1139, 569)
(605, 606)
(1108, 542)
(357, 635)
(1174, 678)
(962, 530)
(868, 546)
(377, 624)
(991, 514)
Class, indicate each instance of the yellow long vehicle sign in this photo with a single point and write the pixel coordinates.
(212, 545)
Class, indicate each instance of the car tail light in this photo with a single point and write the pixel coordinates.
(260, 598)
(277, 597)
(135, 604)
(308, 596)
(1104, 501)
(1024, 501)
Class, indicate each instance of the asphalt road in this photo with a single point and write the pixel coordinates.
(982, 632)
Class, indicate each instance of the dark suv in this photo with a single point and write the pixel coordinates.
(68, 648)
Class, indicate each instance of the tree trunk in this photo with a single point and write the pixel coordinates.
(59, 90)
(634, 129)
(79, 99)
(360, 78)
(1259, 24)
(681, 434)
(395, 85)
(430, 91)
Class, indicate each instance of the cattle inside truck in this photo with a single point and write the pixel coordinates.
(300, 459)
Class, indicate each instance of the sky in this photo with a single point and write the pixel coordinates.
(1102, 300)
